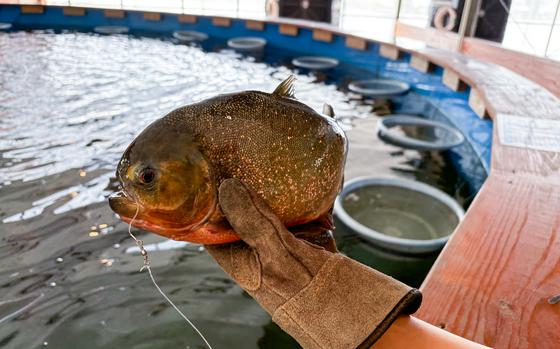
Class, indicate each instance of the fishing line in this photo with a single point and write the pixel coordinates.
(146, 266)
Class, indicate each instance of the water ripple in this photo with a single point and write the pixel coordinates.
(75, 101)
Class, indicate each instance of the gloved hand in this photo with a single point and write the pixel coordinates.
(322, 299)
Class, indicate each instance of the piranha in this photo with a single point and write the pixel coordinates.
(292, 156)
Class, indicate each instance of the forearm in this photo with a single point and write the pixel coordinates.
(409, 332)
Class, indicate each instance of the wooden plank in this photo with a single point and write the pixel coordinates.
(74, 11)
(187, 19)
(493, 280)
(495, 277)
(453, 80)
(356, 43)
(475, 73)
(527, 99)
(420, 63)
(500, 89)
(389, 51)
(543, 71)
(114, 13)
(432, 37)
(254, 25)
(322, 35)
(477, 103)
(221, 22)
(32, 9)
(152, 16)
(288, 29)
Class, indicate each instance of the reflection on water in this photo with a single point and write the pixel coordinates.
(74, 101)
(69, 105)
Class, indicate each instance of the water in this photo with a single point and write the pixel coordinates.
(69, 105)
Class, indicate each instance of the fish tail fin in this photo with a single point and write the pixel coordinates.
(328, 110)
(286, 88)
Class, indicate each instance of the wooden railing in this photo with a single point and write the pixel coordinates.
(543, 71)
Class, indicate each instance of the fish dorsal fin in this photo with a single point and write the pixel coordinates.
(286, 88)
(328, 110)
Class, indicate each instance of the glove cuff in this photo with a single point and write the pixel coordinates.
(347, 305)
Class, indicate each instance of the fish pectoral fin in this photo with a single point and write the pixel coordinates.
(318, 232)
(328, 110)
(326, 221)
(319, 225)
(286, 88)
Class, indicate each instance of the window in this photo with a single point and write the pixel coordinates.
(531, 27)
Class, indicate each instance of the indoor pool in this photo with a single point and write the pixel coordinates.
(69, 105)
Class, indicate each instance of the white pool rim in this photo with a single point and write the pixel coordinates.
(246, 43)
(315, 62)
(391, 243)
(189, 35)
(111, 29)
(384, 132)
(391, 88)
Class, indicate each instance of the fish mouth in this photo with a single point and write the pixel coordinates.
(202, 233)
(126, 208)
(123, 205)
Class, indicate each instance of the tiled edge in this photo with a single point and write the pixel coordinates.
(477, 103)
(74, 11)
(452, 80)
(288, 29)
(421, 63)
(114, 13)
(254, 25)
(356, 43)
(322, 35)
(187, 19)
(32, 9)
(152, 16)
(221, 22)
(389, 51)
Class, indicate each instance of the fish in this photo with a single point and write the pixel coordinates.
(292, 156)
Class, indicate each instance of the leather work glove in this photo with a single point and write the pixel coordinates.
(322, 299)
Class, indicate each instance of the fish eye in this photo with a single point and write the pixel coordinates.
(147, 176)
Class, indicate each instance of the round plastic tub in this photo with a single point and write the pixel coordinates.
(379, 88)
(408, 268)
(315, 62)
(247, 43)
(398, 215)
(110, 29)
(189, 35)
(418, 133)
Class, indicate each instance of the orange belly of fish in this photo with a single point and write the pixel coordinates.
(206, 235)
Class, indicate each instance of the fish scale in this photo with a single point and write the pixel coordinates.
(292, 156)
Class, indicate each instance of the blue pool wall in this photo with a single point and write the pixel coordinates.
(430, 97)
